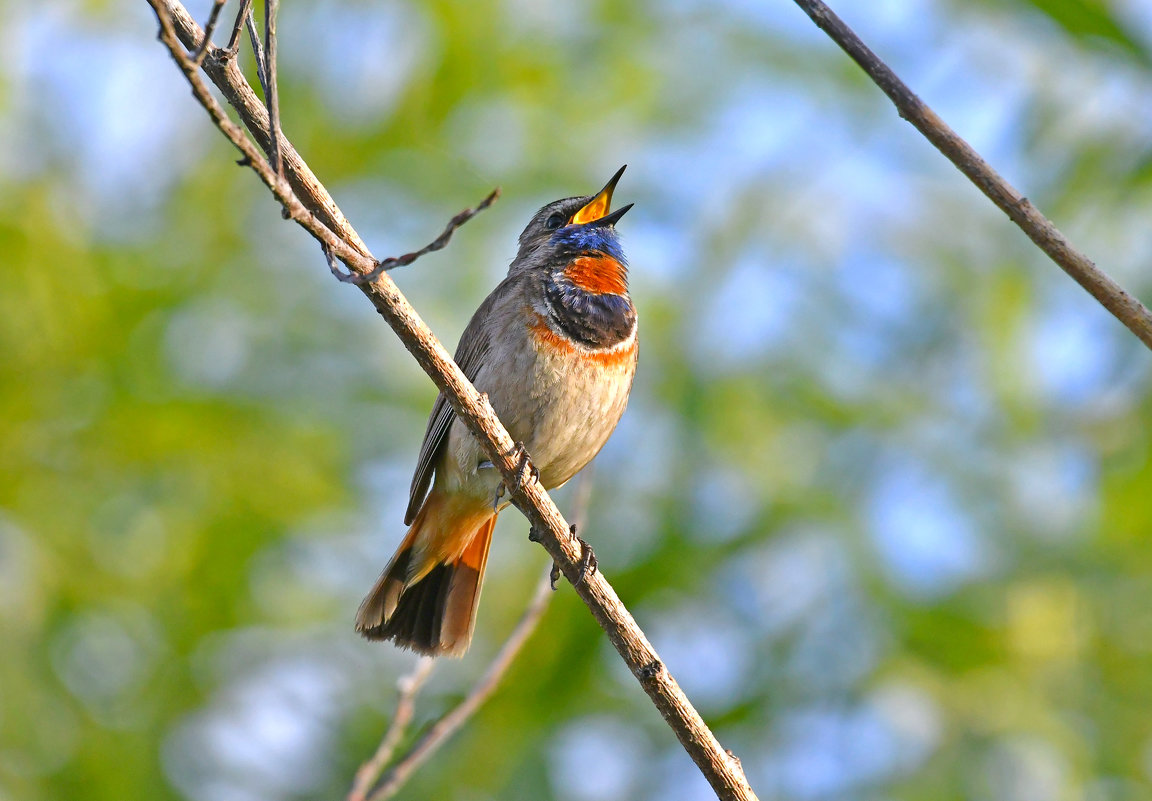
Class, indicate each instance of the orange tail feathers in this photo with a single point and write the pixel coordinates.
(426, 597)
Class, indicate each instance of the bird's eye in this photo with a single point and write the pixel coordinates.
(555, 221)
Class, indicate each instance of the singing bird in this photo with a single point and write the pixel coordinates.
(554, 347)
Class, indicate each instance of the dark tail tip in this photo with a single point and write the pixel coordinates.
(432, 616)
(416, 622)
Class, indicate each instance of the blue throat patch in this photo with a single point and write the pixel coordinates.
(578, 239)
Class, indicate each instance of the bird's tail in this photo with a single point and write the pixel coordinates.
(426, 597)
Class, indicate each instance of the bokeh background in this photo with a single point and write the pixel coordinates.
(882, 498)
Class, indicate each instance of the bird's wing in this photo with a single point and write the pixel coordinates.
(470, 353)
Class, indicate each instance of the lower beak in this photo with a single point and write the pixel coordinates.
(610, 219)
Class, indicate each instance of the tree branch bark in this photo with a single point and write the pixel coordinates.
(318, 214)
(1113, 297)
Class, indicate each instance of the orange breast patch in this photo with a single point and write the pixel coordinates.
(548, 340)
(600, 274)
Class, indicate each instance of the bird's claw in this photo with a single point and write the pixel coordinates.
(524, 465)
(524, 468)
(587, 560)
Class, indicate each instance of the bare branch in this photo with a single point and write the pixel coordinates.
(234, 40)
(224, 72)
(273, 96)
(258, 51)
(209, 29)
(448, 725)
(318, 214)
(1123, 306)
(408, 685)
(401, 261)
(279, 186)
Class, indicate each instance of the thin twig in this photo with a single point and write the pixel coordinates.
(1126, 308)
(234, 40)
(273, 97)
(401, 261)
(408, 686)
(209, 29)
(258, 51)
(315, 211)
(448, 725)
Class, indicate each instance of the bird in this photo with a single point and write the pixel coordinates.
(554, 347)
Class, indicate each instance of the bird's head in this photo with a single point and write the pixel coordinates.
(572, 227)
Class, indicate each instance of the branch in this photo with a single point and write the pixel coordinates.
(258, 51)
(408, 685)
(1123, 306)
(209, 28)
(273, 94)
(319, 215)
(221, 67)
(234, 40)
(402, 261)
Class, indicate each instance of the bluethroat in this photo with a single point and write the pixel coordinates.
(554, 347)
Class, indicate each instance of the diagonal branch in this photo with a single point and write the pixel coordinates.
(221, 68)
(1123, 306)
(209, 27)
(273, 93)
(258, 51)
(317, 213)
(409, 685)
(234, 40)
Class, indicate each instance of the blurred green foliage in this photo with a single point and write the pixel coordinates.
(881, 499)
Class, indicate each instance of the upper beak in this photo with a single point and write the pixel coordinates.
(598, 207)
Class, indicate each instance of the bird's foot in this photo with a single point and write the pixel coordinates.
(587, 561)
(524, 466)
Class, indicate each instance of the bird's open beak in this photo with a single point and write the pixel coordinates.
(598, 207)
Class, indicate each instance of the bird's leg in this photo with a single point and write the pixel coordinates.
(523, 466)
(497, 497)
(500, 488)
